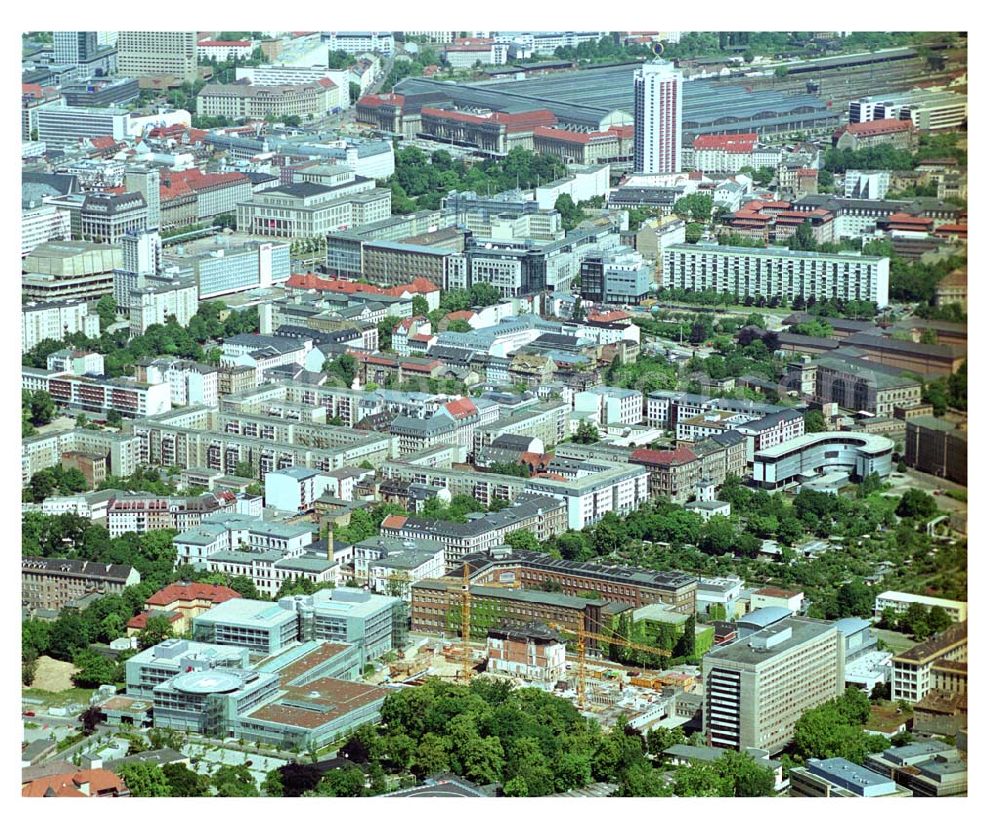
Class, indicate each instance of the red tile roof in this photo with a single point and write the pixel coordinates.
(730, 142)
(878, 126)
(394, 522)
(214, 593)
(374, 100)
(578, 138)
(514, 121)
(100, 781)
(613, 316)
(460, 315)
(140, 620)
(197, 180)
(418, 285)
(648, 456)
(461, 408)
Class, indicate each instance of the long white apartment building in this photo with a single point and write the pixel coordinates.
(41, 224)
(957, 611)
(268, 75)
(191, 384)
(201, 437)
(99, 394)
(776, 272)
(122, 451)
(53, 320)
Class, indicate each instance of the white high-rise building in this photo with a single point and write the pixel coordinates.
(142, 252)
(73, 47)
(658, 95)
(146, 180)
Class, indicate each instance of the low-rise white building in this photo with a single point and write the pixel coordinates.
(901, 602)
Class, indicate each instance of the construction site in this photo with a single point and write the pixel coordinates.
(564, 660)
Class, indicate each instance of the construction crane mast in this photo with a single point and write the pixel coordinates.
(581, 649)
(466, 626)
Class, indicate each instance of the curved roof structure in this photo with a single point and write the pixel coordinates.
(764, 617)
(587, 98)
(206, 683)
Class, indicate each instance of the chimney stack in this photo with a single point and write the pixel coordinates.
(329, 542)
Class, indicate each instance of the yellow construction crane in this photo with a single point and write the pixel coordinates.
(466, 626)
(581, 650)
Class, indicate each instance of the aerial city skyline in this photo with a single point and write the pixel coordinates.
(494, 414)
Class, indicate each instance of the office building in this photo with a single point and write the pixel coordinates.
(929, 768)
(776, 273)
(150, 53)
(757, 686)
(106, 218)
(658, 104)
(360, 42)
(863, 184)
(61, 127)
(159, 298)
(937, 447)
(51, 584)
(308, 210)
(73, 47)
(242, 101)
(802, 458)
(617, 276)
(536, 653)
(939, 663)
(837, 777)
(229, 264)
(146, 180)
(856, 384)
(100, 93)
(260, 626)
(349, 615)
(54, 320)
(43, 223)
(542, 516)
(500, 566)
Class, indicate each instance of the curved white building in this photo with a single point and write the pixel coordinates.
(812, 455)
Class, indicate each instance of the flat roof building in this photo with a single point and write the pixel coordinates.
(757, 686)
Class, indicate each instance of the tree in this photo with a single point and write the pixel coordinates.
(95, 669)
(234, 781)
(586, 433)
(692, 232)
(107, 311)
(90, 718)
(744, 776)
(185, 782)
(354, 90)
(697, 206)
(157, 629)
(802, 238)
(348, 781)
(697, 780)
(640, 780)
(244, 469)
(43, 408)
(916, 504)
(145, 779)
(854, 599)
(814, 421)
(686, 644)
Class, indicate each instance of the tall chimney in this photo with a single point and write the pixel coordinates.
(329, 542)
